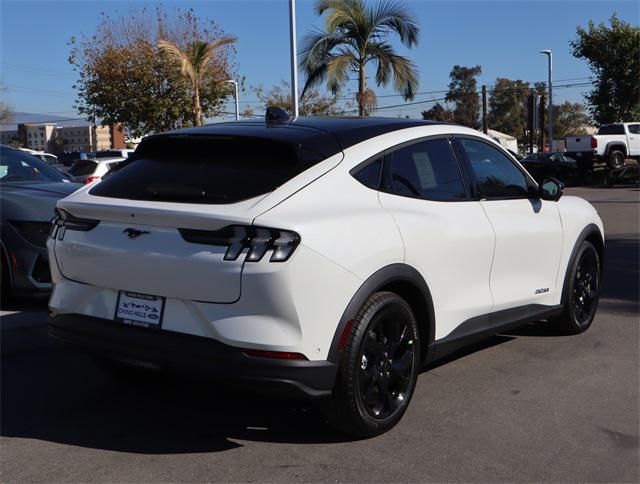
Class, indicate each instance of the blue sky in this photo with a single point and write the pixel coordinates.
(504, 37)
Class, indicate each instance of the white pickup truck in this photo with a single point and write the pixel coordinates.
(612, 144)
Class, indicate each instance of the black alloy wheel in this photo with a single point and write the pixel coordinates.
(585, 287)
(582, 291)
(387, 363)
(379, 367)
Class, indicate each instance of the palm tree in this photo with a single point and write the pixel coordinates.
(194, 62)
(354, 36)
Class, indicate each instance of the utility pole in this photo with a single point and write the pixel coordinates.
(549, 54)
(235, 85)
(294, 57)
(541, 121)
(485, 122)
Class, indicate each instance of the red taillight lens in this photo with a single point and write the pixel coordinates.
(258, 241)
(91, 179)
(280, 355)
(594, 142)
(65, 221)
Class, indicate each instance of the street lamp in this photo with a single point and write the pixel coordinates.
(294, 57)
(550, 108)
(235, 85)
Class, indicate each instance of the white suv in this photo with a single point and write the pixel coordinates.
(330, 257)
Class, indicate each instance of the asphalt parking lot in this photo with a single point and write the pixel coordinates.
(531, 405)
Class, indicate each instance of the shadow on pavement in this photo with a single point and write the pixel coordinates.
(621, 287)
(57, 394)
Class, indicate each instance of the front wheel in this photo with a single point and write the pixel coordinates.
(379, 367)
(582, 292)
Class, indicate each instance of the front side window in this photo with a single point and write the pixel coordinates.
(427, 169)
(496, 175)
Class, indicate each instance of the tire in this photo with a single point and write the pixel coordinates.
(616, 159)
(582, 292)
(378, 368)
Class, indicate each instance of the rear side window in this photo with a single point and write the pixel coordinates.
(369, 176)
(205, 169)
(83, 167)
(427, 169)
(611, 129)
(634, 128)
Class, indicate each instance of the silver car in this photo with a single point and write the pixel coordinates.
(29, 189)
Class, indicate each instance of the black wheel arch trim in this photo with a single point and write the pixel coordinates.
(589, 230)
(614, 145)
(386, 276)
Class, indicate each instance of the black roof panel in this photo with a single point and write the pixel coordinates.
(326, 135)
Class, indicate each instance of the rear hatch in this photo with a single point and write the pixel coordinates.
(161, 223)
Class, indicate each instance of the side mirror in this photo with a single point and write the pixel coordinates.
(551, 189)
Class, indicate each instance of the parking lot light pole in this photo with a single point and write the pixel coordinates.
(235, 85)
(550, 108)
(294, 57)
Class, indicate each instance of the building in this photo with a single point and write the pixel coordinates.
(56, 139)
(36, 136)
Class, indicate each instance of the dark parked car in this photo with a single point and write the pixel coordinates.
(67, 159)
(29, 190)
(556, 165)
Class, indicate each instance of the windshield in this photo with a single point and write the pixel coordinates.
(109, 154)
(19, 166)
(83, 167)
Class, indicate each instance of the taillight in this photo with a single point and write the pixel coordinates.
(65, 221)
(91, 179)
(257, 240)
(35, 232)
(594, 142)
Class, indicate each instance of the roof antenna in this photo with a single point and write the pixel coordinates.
(275, 115)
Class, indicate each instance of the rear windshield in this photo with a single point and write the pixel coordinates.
(83, 167)
(108, 153)
(611, 129)
(205, 169)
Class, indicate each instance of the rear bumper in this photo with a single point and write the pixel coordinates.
(180, 352)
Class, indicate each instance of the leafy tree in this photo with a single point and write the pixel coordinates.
(613, 54)
(5, 111)
(463, 92)
(508, 106)
(438, 113)
(569, 119)
(312, 102)
(194, 62)
(356, 35)
(124, 77)
(56, 143)
(16, 143)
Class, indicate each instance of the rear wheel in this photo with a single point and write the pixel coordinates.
(379, 368)
(616, 159)
(582, 292)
